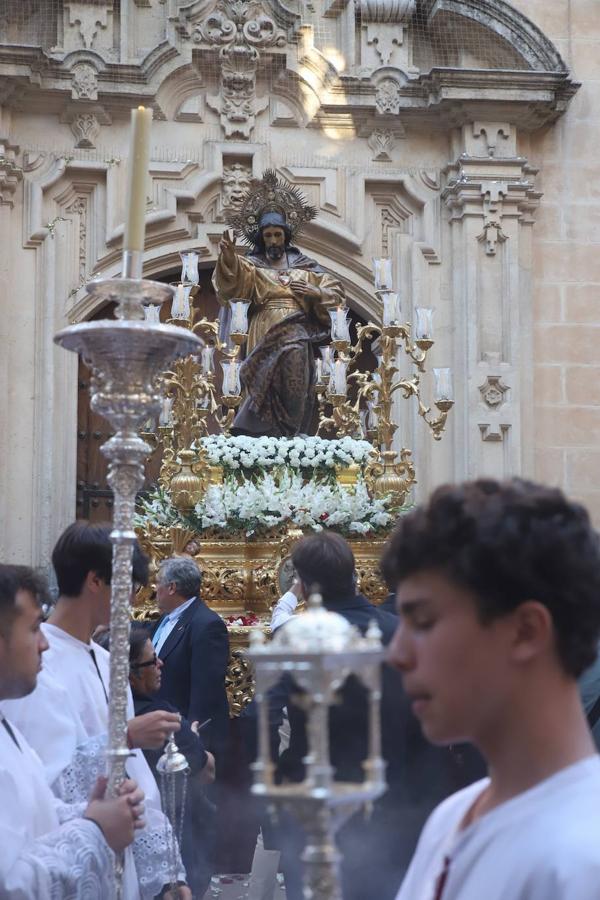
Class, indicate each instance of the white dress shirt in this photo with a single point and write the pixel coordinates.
(284, 609)
(168, 624)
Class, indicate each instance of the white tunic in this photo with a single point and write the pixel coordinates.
(543, 844)
(39, 857)
(69, 706)
(65, 720)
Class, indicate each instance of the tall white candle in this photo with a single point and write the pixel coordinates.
(139, 158)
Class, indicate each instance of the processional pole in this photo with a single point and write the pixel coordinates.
(126, 356)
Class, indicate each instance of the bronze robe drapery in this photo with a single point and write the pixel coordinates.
(278, 373)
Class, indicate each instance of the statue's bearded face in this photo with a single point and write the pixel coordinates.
(274, 240)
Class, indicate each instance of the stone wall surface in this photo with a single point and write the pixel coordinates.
(566, 262)
(448, 134)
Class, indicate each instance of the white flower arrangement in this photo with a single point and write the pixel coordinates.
(297, 453)
(272, 500)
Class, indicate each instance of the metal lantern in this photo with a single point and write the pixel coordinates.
(319, 650)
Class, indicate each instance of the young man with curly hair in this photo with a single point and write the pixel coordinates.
(498, 591)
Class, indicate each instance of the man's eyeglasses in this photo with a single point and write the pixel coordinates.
(150, 662)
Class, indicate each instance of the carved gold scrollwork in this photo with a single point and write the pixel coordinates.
(239, 683)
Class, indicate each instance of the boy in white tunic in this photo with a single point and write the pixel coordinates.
(499, 602)
(47, 849)
(65, 719)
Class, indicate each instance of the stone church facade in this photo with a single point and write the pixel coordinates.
(458, 137)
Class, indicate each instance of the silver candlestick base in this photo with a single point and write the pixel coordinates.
(126, 357)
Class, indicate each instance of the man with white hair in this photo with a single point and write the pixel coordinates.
(192, 642)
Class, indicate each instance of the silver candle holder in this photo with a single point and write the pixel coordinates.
(319, 649)
(174, 770)
(126, 357)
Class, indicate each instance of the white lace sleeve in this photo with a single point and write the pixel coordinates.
(73, 862)
(76, 782)
(150, 851)
(74, 785)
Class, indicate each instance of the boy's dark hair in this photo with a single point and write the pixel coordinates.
(12, 580)
(83, 548)
(509, 542)
(326, 561)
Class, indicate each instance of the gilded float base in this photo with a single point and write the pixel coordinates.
(242, 576)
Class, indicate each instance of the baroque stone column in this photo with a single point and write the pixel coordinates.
(490, 199)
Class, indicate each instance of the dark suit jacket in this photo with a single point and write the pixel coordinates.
(389, 604)
(190, 744)
(195, 658)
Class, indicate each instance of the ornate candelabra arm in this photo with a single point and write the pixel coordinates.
(362, 333)
(209, 330)
(225, 422)
(168, 465)
(438, 424)
(417, 352)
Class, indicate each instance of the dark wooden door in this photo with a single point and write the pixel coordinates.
(94, 496)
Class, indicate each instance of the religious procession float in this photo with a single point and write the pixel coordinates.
(283, 423)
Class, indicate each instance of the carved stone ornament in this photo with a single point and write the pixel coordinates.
(84, 82)
(387, 98)
(241, 29)
(386, 10)
(86, 128)
(237, 103)
(382, 142)
(492, 194)
(237, 180)
(492, 391)
(90, 17)
(11, 174)
(239, 22)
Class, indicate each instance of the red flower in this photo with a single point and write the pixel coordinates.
(323, 517)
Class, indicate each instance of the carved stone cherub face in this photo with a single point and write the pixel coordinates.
(236, 183)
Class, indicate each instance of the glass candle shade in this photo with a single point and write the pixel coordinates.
(337, 380)
(207, 359)
(239, 316)
(326, 359)
(152, 313)
(444, 389)
(231, 378)
(203, 401)
(423, 323)
(166, 412)
(391, 308)
(339, 324)
(382, 273)
(180, 308)
(189, 267)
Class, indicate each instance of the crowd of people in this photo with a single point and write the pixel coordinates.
(492, 627)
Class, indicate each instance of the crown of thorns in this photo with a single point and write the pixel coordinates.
(270, 194)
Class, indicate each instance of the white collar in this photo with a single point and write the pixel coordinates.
(175, 613)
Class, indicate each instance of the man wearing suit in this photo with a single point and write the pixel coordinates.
(191, 640)
(375, 850)
(192, 644)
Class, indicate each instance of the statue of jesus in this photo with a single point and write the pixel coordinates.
(290, 296)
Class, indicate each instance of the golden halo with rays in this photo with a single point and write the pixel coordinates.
(270, 194)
